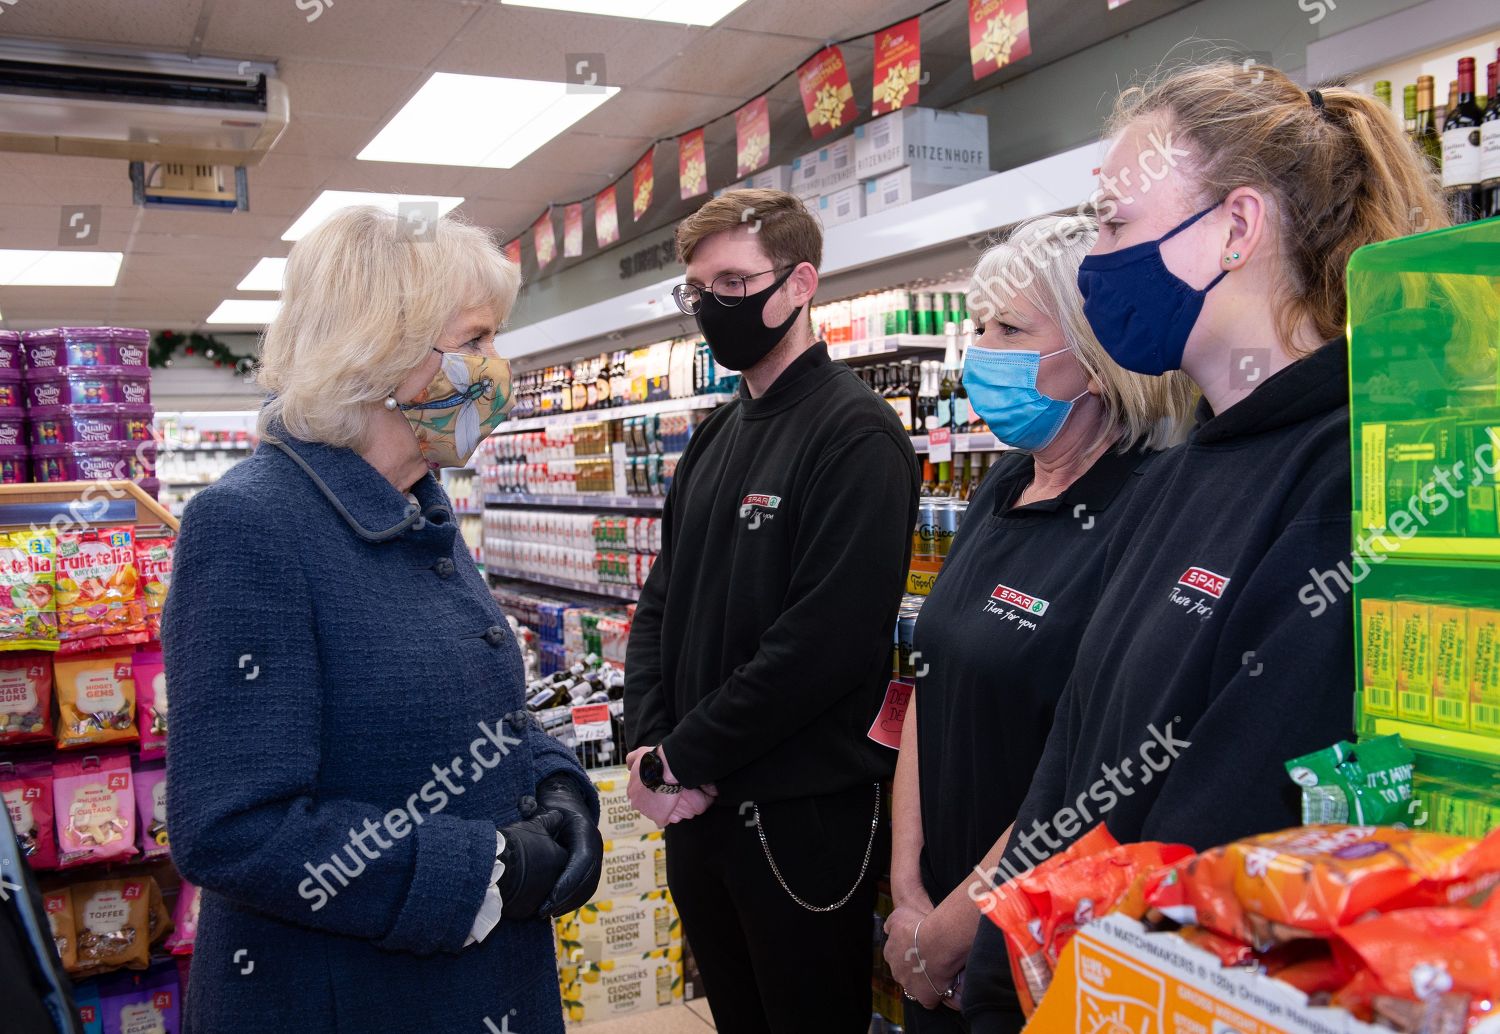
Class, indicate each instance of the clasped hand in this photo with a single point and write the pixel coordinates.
(665, 808)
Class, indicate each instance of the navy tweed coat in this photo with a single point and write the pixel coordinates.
(331, 650)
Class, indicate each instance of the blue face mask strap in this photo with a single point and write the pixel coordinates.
(1189, 221)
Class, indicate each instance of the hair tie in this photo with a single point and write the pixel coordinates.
(1317, 99)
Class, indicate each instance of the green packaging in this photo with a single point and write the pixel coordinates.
(1368, 785)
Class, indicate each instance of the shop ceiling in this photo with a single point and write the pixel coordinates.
(355, 64)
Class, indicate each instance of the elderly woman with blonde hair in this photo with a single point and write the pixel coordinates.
(379, 831)
(996, 638)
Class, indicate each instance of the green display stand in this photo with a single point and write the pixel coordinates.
(1424, 336)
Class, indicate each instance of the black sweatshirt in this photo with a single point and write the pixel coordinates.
(1203, 671)
(761, 648)
(997, 638)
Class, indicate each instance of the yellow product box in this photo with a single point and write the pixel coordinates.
(1450, 681)
(622, 987)
(1483, 652)
(619, 928)
(1377, 631)
(617, 816)
(632, 866)
(1414, 661)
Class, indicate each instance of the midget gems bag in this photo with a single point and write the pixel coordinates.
(1312, 880)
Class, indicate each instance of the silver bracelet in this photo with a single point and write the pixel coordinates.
(916, 941)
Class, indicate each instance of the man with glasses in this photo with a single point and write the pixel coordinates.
(760, 652)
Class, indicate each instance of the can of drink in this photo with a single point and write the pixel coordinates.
(948, 515)
(924, 536)
(906, 630)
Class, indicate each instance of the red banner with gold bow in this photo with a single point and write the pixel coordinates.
(999, 34)
(573, 230)
(692, 164)
(827, 96)
(752, 135)
(642, 183)
(544, 239)
(606, 219)
(898, 67)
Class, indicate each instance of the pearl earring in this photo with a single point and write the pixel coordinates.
(390, 401)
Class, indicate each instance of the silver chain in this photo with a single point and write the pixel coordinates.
(864, 866)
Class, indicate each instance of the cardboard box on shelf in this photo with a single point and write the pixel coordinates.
(807, 181)
(618, 818)
(777, 177)
(618, 928)
(622, 987)
(898, 188)
(632, 867)
(943, 146)
(836, 166)
(844, 206)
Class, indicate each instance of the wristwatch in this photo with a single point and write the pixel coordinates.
(654, 773)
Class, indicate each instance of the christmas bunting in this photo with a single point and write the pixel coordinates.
(898, 67)
(573, 230)
(827, 96)
(999, 34)
(643, 180)
(512, 251)
(752, 134)
(544, 239)
(692, 164)
(606, 220)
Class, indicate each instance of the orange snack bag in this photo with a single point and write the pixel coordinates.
(1312, 880)
(1081, 889)
(1419, 953)
(98, 590)
(153, 561)
(95, 699)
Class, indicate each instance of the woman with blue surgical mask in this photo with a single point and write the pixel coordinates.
(997, 636)
(1230, 202)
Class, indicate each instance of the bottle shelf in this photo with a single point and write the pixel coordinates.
(582, 501)
(585, 416)
(888, 345)
(619, 592)
(979, 441)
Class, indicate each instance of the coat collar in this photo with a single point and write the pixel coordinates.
(360, 494)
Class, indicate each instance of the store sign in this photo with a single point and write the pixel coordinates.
(752, 136)
(886, 728)
(827, 97)
(940, 445)
(999, 34)
(692, 164)
(657, 257)
(591, 722)
(898, 67)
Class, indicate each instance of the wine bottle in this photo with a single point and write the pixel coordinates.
(966, 418)
(929, 478)
(899, 395)
(947, 415)
(1461, 148)
(1409, 111)
(1428, 139)
(1383, 91)
(1489, 148)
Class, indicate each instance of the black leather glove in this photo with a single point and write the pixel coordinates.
(533, 861)
(560, 795)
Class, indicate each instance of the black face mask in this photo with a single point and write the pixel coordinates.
(737, 334)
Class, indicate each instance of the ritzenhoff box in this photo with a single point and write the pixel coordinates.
(1116, 976)
(618, 818)
(836, 166)
(843, 206)
(620, 987)
(618, 928)
(807, 180)
(632, 867)
(946, 147)
(894, 189)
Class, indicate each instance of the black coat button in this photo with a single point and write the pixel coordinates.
(518, 720)
(495, 634)
(527, 806)
(444, 567)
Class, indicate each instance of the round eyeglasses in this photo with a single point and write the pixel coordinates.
(728, 288)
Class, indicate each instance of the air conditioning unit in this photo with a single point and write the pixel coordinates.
(75, 99)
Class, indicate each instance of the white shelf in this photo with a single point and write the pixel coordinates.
(619, 592)
(981, 441)
(582, 501)
(587, 416)
(1041, 187)
(886, 345)
(165, 448)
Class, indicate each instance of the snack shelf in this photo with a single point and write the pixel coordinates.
(619, 592)
(107, 502)
(167, 447)
(1465, 550)
(584, 416)
(583, 501)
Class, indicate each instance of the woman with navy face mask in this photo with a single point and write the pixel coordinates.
(998, 633)
(1204, 667)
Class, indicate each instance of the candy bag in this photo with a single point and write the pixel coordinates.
(1312, 880)
(1369, 784)
(1082, 889)
(95, 809)
(98, 590)
(185, 920)
(25, 698)
(1420, 953)
(27, 790)
(113, 922)
(158, 917)
(151, 809)
(95, 699)
(58, 904)
(28, 608)
(141, 1003)
(153, 561)
(150, 678)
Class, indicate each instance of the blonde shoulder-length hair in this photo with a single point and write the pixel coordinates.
(364, 298)
(1039, 261)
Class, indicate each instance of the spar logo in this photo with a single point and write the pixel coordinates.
(1016, 598)
(757, 507)
(1204, 580)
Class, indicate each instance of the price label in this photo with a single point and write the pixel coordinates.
(940, 445)
(591, 722)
